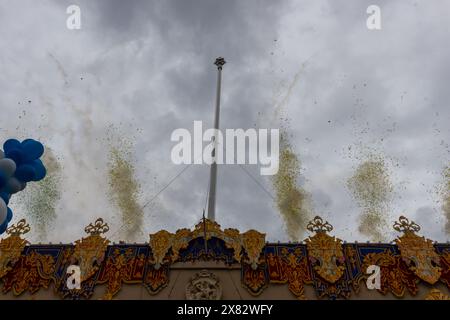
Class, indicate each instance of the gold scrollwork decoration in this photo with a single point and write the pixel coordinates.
(436, 294)
(89, 252)
(18, 229)
(253, 243)
(325, 251)
(12, 246)
(163, 242)
(417, 252)
(404, 225)
(395, 276)
(318, 226)
(31, 272)
(97, 228)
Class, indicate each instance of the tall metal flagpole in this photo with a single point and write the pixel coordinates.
(213, 174)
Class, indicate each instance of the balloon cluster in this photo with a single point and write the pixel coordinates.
(19, 164)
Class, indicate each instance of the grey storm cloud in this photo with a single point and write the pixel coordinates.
(146, 68)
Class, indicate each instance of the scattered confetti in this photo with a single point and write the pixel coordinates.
(124, 189)
(292, 201)
(371, 187)
(40, 199)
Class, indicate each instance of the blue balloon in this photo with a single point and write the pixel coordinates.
(32, 149)
(3, 226)
(14, 185)
(40, 170)
(9, 215)
(3, 179)
(25, 173)
(16, 155)
(11, 144)
(5, 196)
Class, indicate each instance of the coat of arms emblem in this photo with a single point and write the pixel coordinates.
(325, 251)
(418, 252)
(204, 286)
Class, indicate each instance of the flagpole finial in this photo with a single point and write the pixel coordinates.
(220, 62)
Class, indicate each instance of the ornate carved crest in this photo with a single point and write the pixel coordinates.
(89, 252)
(164, 242)
(255, 281)
(417, 252)
(12, 246)
(253, 243)
(325, 252)
(204, 286)
(156, 280)
(160, 243)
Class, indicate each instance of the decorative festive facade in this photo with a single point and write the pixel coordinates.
(210, 263)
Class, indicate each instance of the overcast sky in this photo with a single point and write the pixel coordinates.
(146, 68)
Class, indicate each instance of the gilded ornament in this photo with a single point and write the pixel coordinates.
(417, 252)
(163, 242)
(395, 276)
(436, 294)
(253, 243)
(12, 247)
(325, 251)
(31, 272)
(89, 252)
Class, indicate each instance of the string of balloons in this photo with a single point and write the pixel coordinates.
(19, 165)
